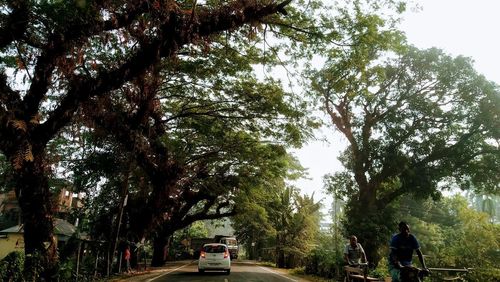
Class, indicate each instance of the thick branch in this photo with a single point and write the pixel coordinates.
(13, 26)
(8, 97)
(435, 155)
(176, 33)
(447, 151)
(42, 75)
(235, 14)
(82, 88)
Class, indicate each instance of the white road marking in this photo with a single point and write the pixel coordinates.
(269, 270)
(152, 279)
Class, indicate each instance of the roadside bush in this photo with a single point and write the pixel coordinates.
(66, 270)
(484, 275)
(11, 267)
(299, 270)
(382, 269)
(324, 263)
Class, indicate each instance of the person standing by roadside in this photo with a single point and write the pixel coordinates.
(126, 257)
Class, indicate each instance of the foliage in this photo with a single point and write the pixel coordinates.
(287, 227)
(453, 235)
(296, 221)
(488, 203)
(382, 270)
(254, 224)
(4, 173)
(478, 242)
(417, 122)
(66, 270)
(326, 259)
(12, 267)
(196, 230)
(216, 114)
(103, 68)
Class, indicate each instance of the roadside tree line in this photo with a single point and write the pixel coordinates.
(155, 111)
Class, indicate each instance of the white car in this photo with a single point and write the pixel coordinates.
(214, 256)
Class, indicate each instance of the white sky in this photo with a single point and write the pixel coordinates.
(459, 27)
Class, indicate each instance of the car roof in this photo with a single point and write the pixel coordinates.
(215, 244)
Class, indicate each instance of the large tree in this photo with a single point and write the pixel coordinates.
(197, 132)
(72, 52)
(416, 122)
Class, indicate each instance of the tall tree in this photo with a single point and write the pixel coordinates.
(75, 51)
(416, 121)
(254, 227)
(210, 118)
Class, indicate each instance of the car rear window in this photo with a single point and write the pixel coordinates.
(214, 249)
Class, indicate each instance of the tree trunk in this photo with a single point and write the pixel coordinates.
(32, 191)
(159, 251)
(371, 225)
(280, 254)
(280, 263)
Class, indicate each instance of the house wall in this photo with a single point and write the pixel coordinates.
(62, 202)
(8, 201)
(13, 242)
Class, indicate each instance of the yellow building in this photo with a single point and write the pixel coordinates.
(11, 239)
(10, 242)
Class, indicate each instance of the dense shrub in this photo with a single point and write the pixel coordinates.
(382, 269)
(66, 270)
(324, 263)
(11, 267)
(484, 275)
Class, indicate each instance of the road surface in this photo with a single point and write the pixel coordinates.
(240, 271)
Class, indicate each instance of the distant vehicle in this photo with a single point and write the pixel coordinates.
(232, 245)
(230, 241)
(214, 256)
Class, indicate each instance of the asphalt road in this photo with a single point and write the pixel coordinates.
(239, 272)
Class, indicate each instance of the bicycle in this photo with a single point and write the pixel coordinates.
(415, 274)
(358, 272)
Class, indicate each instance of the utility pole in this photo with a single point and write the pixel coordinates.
(123, 204)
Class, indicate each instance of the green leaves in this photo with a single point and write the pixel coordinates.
(416, 120)
(454, 234)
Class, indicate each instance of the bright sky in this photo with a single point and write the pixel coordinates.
(459, 27)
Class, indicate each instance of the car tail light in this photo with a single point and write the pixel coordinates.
(202, 254)
(226, 254)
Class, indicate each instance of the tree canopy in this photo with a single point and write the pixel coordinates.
(155, 110)
(417, 122)
(102, 65)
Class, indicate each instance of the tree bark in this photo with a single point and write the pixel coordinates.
(159, 251)
(32, 191)
(280, 254)
(371, 224)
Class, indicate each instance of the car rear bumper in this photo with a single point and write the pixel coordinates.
(207, 264)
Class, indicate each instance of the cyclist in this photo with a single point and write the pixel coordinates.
(401, 251)
(354, 253)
